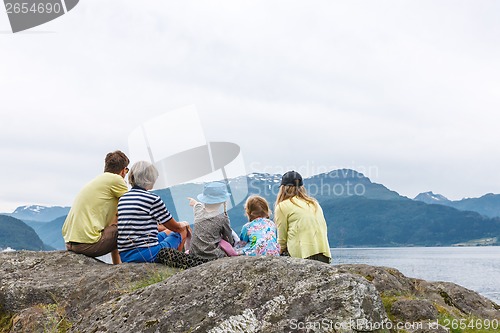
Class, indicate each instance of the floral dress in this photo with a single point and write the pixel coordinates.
(258, 237)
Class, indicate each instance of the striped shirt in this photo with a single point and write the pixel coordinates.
(139, 213)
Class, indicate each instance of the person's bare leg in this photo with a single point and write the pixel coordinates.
(115, 257)
(184, 234)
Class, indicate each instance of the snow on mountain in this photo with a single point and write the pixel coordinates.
(431, 198)
(275, 178)
(39, 213)
(26, 209)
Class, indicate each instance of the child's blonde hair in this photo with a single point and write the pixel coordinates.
(255, 207)
(291, 191)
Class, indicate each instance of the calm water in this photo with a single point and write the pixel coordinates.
(476, 268)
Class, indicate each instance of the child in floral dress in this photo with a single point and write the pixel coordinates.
(259, 236)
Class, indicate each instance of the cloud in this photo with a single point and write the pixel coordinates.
(410, 88)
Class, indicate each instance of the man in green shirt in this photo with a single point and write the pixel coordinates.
(91, 225)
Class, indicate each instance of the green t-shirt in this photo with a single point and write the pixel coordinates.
(301, 228)
(94, 209)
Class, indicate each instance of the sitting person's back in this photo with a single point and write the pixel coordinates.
(302, 229)
(259, 235)
(210, 224)
(140, 213)
(90, 227)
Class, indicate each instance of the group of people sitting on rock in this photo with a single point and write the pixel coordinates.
(135, 225)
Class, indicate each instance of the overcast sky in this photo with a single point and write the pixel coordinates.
(407, 92)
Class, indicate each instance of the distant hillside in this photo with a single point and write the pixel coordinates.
(50, 232)
(17, 235)
(487, 205)
(358, 221)
(38, 213)
(345, 183)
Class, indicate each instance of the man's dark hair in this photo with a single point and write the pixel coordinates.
(115, 162)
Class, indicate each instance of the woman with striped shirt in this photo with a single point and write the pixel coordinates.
(141, 214)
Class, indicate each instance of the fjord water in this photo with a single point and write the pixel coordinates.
(476, 268)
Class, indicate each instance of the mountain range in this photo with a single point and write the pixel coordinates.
(38, 213)
(358, 212)
(487, 205)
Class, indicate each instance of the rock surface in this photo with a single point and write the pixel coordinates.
(391, 282)
(410, 300)
(243, 294)
(413, 310)
(63, 291)
(62, 285)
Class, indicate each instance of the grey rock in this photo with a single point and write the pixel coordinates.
(414, 310)
(452, 298)
(467, 301)
(71, 282)
(245, 294)
(388, 281)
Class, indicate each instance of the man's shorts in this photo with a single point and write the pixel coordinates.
(104, 245)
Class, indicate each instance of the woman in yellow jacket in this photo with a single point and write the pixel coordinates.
(302, 230)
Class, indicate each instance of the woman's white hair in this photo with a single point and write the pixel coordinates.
(143, 174)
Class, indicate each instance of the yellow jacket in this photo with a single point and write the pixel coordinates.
(301, 228)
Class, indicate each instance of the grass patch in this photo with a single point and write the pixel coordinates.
(56, 319)
(387, 301)
(5, 322)
(369, 277)
(153, 277)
